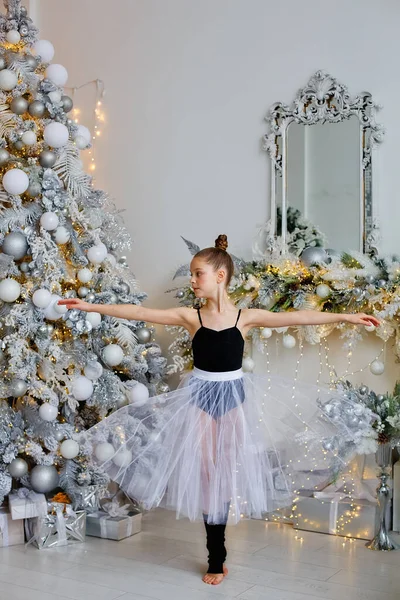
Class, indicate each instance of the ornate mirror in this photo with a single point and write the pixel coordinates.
(321, 153)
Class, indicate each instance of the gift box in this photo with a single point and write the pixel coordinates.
(26, 504)
(60, 527)
(336, 516)
(102, 524)
(11, 532)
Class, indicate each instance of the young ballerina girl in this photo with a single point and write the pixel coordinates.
(222, 446)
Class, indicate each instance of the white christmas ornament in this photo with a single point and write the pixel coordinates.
(9, 290)
(248, 364)
(44, 49)
(48, 412)
(49, 221)
(288, 341)
(111, 259)
(58, 74)
(323, 290)
(41, 298)
(69, 449)
(377, 367)
(84, 275)
(84, 133)
(112, 354)
(55, 96)
(370, 327)
(50, 312)
(96, 254)
(266, 333)
(62, 235)
(281, 329)
(29, 138)
(13, 36)
(94, 319)
(80, 142)
(104, 452)
(55, 134)
(123, 458)
(82, 388)
(15, 181)
(93, 370)
(8, 80)
(138, 395)
(60, 309)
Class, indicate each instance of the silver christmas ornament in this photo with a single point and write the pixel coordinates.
(15, 245)
(59, 435)
(90, 297)
(34, 189)
(143, 335)
(18, 388)
(122, 260)
(382, 282)
(19, 105)
(24, 267)
(113, 299)
(23, 30)
(19, 145)
(67, 103)
(2, 63)
(23, 11)
(44, 478)
(313, 256)
(37, 109)
(50, 328)
(369, 278)
(4, 157)
(31, 62)
(18, 468)
(180, 294)
(47, 159)
(83, 292)
(124, 288)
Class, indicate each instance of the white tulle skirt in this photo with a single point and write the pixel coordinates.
(221, 447)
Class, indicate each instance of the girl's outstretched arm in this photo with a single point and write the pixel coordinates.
(132, 312)
(265, 318)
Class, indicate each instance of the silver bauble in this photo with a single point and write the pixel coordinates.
(23, 11)
(44, 478)
(50, 328)
(23, 30)
(18, 468)
(143, 335)
(328, 445)
(31, 62)
(19, 105)
(37, 109)
(67, 103)
(15, 245)
(34, 189)
(42, 330)
(363, 389)
(64, 212)
(59, 435)
(4, 157)
(180, 294)
(380, 397)
(382, 283)
(3, 63)
(113, 299)
(313, 256)
(124, 288)
(19, 145)
(163, 388)
(47, 159)
(18, 388)
(369, 278)
(83, 292)
(24, 267)
(90, 297)
(122, 260)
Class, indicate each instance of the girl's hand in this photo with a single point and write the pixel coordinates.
(362, 319)
(76, 303)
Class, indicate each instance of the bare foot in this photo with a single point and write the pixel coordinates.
(215, 578)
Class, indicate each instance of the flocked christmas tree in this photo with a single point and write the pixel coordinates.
(60, 371)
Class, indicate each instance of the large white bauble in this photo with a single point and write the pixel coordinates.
(370, 328)
(15, 181)
(60, 309)
(96, 254)
(84, 275)
(84, 133)
(289, 341)
(29, 138)
(123, 458)
(112, 354)
(138, 395)
(50, 312)
(323, 290)
(94, 319)
(48, 412)
(9, 290)
(58, 74)
(69, 449)
(62, 235)
(248, 364)
(13, 36)
(55, 134)
(49, 221)
(80, 142)
(377, 367)
(82, 388)
(93, 370)
(266, 333)
(104, 452)
(44, 49)
(41, 298)
(8, 80)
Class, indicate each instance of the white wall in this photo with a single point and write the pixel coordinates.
(188, 86)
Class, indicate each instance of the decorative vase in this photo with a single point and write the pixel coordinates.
(382, 539)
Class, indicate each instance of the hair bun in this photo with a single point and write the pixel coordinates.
(221, 242)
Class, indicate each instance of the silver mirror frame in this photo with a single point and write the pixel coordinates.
(325, 100)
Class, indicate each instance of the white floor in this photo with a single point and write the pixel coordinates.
(166, 562)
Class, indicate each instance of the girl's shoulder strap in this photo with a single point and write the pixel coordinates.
(198, 313)
(238, 317)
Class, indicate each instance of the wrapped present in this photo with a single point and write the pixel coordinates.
(26, 504)
(333, 513)
(117, 520)
(11, 532)
(87, 497)
(60, 527)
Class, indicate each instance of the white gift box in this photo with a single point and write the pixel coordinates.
(33, 505)
(11, 532)
(101, 524)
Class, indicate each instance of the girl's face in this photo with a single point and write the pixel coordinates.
(204, 279)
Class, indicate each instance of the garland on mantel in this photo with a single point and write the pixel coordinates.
(326, 280)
